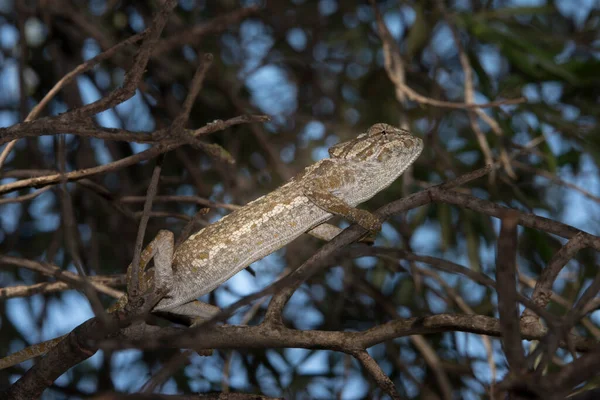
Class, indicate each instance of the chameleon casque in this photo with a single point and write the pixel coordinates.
(357, 170)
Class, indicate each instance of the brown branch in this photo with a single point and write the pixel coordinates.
(195, 87)
(446, 266)
(175, 130)
(167, 370)
(52, 287)
(555, 178)
(162, 214)
(581, 306)
(195, 396)
(212, 150)
(263, 336)
(394, 68)
(134, 74)
(77, 347)
(25, 197)
(580, 370)
(6, 151)
(470, 93)
(53, 125)
(543, 287)
(192, 35)
(133, 286)
(52, 270)
(586, 322)
(71, 234)
(370, 365)
(506, 267)
(85, 172)
(211, 336)
(86, 66)
(495, 210)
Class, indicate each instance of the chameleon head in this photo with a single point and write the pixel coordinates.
(380, 143)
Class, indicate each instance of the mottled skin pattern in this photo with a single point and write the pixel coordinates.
(357, 170)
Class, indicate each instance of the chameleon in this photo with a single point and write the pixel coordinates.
(356, 170)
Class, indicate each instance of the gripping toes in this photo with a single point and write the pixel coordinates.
(368, 221)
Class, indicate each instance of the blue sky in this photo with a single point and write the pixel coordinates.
(272, 92)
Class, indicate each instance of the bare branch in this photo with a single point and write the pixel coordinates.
(131, 160)
(506, 266)
(133, 289)
(377, 374)
(394, 67)
(52, 270)
(543, 287)
(53, 287)
(134, 74)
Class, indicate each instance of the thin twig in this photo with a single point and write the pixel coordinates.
(506, 266)
(133, 287)
(52, 270)
(371, 366)
(25, 197)
(71, 234)
(131, 160)
(134, 74)
(53, 287)
(393, 62)
(543, 287)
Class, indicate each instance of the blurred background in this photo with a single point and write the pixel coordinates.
(317, 68)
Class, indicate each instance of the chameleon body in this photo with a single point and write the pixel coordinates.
(357, 170)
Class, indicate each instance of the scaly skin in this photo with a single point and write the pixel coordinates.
(357, 170)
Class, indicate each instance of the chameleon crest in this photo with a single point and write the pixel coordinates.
(381, 142)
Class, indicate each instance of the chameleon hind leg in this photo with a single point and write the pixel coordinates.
(162, 249)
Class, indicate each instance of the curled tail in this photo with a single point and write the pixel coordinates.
(29, 352)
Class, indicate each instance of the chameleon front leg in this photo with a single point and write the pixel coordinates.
(161, 279)
(318, 191)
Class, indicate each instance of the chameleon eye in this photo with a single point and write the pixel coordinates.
(384, 155)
